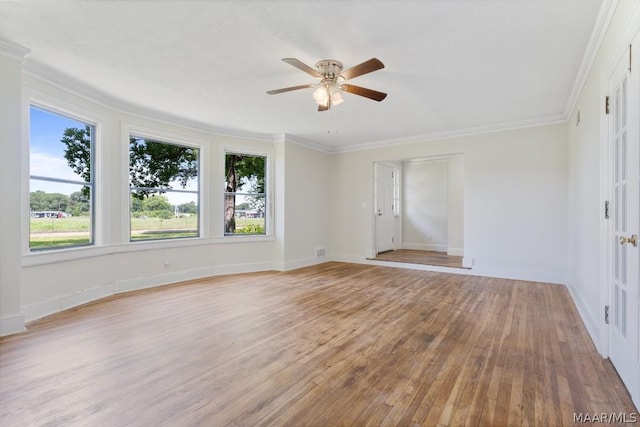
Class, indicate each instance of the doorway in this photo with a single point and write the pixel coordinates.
(418, 210)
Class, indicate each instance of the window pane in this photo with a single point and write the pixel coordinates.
(245, 197)
(164, 190)
(249, 214)
(60, 215)
(61, 186)
(59, 147)
(167, 216)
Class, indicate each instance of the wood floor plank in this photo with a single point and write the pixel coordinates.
(330, 345)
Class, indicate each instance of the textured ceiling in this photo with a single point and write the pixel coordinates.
(451, 65)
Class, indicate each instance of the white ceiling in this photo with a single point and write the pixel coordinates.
(451, 65)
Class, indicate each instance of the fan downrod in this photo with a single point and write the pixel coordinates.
(330, 69)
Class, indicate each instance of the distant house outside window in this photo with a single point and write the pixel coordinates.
(245, 201)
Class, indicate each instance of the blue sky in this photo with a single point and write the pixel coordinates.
(46, 131)
(46, 152)
(47, 156)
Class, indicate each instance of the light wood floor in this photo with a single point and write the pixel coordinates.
(336, 344)
(421, 257)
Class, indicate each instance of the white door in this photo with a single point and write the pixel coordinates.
(385, 240)
(624, 97)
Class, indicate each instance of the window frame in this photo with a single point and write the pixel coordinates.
(169, 139)
(268, 191)
(68, 112)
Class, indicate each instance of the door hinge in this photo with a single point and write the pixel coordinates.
(606, 104)
(606, 314)
(606, 209)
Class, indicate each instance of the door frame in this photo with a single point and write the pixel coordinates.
(606, 178)
(630, 40)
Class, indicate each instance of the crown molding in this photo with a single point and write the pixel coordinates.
(500, 127)
(90, 94)
(607, 10)
(76, 88)
(286, 137)
(13, 50)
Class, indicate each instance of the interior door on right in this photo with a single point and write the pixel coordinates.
(623, 124)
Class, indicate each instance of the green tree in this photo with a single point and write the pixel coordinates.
(79, 203)
(152, 164)
(190, 208)
(136, 204)
(241, 169)
(41, 201)
(37, 201)
(156, 204)
(78, 153)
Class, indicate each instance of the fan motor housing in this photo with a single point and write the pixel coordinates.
(329, 68)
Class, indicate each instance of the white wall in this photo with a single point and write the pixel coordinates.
(455, 205)
(50, 281)
(587, 278)
(11, 318)
(515, 200)
(425, 205)
(306, 208)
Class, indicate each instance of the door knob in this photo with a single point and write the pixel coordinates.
(633, 240)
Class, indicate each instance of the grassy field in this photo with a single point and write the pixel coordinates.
(73, 231)
(59, 225)
(57, 241)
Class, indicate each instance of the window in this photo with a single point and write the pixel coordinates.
(163, 189)
(61, 184)
(244, 196)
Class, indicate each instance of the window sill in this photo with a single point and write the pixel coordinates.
(72, 254)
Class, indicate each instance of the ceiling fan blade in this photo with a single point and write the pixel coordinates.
(366, 67)
(302, 66)
(288, 89)
(363, 91)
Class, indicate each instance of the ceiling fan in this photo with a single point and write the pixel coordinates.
(331, 85)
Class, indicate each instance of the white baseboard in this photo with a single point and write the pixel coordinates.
(477, 270)
(587, 318)
(64, 302)
(12, 324)
(424, 247)
(182, 276)
(300, 263)
(371, 254)
(516, 274)
(455, 251)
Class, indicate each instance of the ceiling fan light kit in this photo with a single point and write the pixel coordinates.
(328, 92)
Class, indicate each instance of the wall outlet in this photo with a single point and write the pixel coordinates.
(321, 252)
